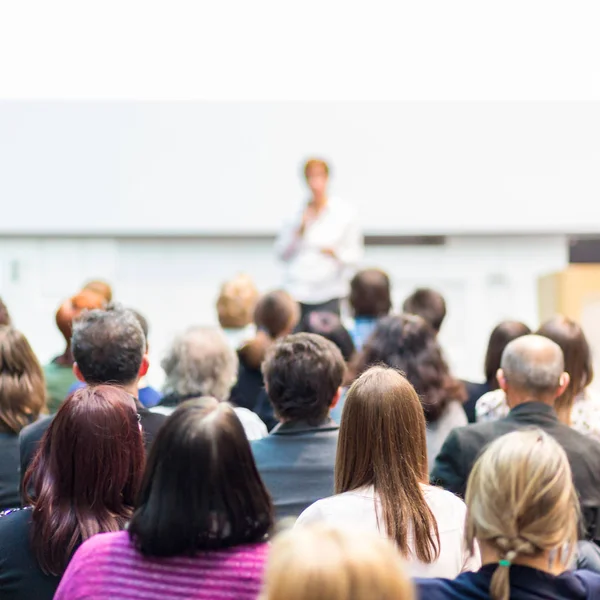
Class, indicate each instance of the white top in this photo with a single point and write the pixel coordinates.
(356, 510)
(253, 426)
(585, 414)
(453, 416)
(311, 276)
(237, 337)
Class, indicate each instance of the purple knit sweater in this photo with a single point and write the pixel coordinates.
(109, 566)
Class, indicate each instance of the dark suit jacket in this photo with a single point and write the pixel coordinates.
(296, 463)
(30, 436)
(462, 447)
(474, 392)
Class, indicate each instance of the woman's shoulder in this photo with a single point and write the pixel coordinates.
(338, 506)
(104, 543)
(447, 508)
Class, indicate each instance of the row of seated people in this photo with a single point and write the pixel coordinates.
(196, 519)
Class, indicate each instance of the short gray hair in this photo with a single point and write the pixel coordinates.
(533, 363)
(200, 362)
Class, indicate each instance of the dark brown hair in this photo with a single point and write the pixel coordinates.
(22, 386)
(578, 359)
(330, 326)
(409, 344)
(201, 489)
(4, 316)
(427, 303)
(370, 294)
(276, 314)
(86, 473)
(382, 443)
(302, 374)
(501, 335)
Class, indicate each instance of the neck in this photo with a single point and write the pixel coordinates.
(542, 561)
(319, 201)
(132, 389)
(518, 397)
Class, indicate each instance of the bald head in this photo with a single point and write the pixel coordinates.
(533, 364)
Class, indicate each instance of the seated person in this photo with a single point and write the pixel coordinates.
(522, 511)
(427, 304)
(370, 299)
(147, 395)
(235, 309)
(199, 363)
(303, 374)
(532, 376)
(59, 372)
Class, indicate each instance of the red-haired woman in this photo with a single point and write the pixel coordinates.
(84, 478)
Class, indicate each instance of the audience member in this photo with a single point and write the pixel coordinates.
(235, 309)
(147, 395)
(4, 315)
(320, 246)
(409, 344)
(428, 304)
(523, 513)
(303, 374)
(577, 406)
(370, 299)
(330, 564)
(200, 526)
(505, 332)
(276, 315)
(109, 348)
(382, 481)
(200, 362)
(22, 399)
(85, 478)
(532, 376)
(100, 287)
(59, 372)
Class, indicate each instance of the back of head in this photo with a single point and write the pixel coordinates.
(428, 304)
(577, 356)
(502, 334)
(201, 489)
(533, 365)
(370, 294)
(303, 373)
(276, 314)
(321, 562)
(86, 473)
(521, 502)
(236, 302)
(382, 443)
(22, 387)
(100, 287)
(108, 346)
(4, 315)
(329, 326)
(71, 309)
(408, 343)
(200, 362)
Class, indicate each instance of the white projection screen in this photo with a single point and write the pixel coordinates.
(195, 168)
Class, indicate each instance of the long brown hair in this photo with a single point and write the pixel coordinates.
(578, 360)
(86, 473)
(382, 443)
(22, 387)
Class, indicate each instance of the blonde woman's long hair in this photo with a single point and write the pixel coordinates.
(521, 502)
(319, 561)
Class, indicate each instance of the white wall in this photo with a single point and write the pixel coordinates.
(174, 282)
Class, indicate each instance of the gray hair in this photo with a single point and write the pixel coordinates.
(200, 362)
(533, 363)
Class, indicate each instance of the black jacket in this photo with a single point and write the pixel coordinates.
(462, 447)
(9, 471)
(296, 462)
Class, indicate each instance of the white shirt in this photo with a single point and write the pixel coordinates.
(253, 426)
(356, 510)
(311, 276)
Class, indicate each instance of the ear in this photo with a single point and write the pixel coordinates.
(501, 379)
(144, 366)
(336, 398)
(77, 373)
(563, 384)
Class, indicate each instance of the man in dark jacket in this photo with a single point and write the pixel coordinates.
(532, 377)
(108, 347)
(303, 374)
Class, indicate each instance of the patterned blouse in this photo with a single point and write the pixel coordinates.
(585, 415)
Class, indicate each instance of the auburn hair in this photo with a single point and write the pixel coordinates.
(382, 443)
